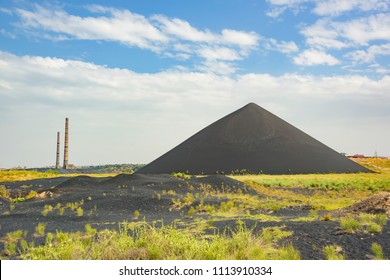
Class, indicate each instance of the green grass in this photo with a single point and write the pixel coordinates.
(142, 241)
(350, 224)
(364, 222)
(324, 191)
(359, 181)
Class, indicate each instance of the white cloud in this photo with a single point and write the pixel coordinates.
(282, 46)
(364, 30)
(327, 7)
(212, 53)
(361, 56)
(280, 6)
(315, 57)
(171, 37)
(182, 29)
(217, 67)
(286, 2)
(117, 108)
(324, 34)
(328, 34)
(120, 25)
(240, 38)
(54, 78)
(276, 12)
(338, 7)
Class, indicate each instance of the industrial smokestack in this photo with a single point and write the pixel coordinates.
(58, 151)
(66, 147)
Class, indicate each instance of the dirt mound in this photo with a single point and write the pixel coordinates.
(140, 179)
(253, 140)
(379, 203)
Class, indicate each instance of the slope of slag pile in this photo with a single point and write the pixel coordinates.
(251, 139)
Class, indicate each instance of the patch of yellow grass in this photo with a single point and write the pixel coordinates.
(24, 175)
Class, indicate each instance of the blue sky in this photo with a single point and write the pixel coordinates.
(138, 77)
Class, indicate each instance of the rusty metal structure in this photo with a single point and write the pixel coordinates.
(66, 144)
(58, 151)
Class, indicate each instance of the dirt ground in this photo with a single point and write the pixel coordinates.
(105, 202)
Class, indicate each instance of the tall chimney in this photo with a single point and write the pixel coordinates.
(58, 151)
(66, 147)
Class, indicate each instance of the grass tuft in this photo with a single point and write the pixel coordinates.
(333, 252)
(142, 241)
(378, 251)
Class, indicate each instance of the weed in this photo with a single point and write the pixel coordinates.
(374, 228)
(142, 241)
(4, 192)
(326, 217)
(181, 175)
(31, 194)
(22, 175)
(49, 238)
(40, 229)
(89, 230)
(11, 241)
(377, 250)
(188, 199)
(349, 224)
(364, 222)
(380, 219)
(46, 210)
(191, 212)
(136, 214)
(79, 212)
(18, 199)
(274, 234)
(333, 252)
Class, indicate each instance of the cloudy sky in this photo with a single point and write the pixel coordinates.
(138, 77)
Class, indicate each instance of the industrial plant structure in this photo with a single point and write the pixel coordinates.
(66, 164)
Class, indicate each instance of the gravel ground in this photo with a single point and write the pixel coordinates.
(109, 201)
